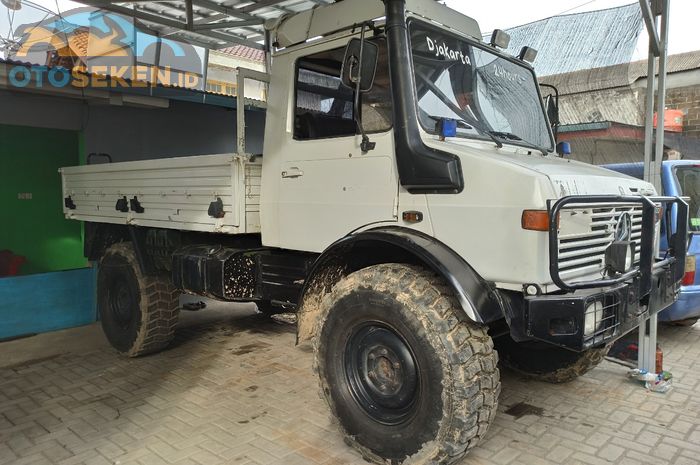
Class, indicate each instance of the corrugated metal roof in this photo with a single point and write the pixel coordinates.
(209, 23)
(580, 41)
(596, 126)
(621, 75)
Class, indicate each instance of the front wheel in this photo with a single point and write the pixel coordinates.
(545, 362)
(402, 374)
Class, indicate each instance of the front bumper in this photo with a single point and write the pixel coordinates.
(592, 313)
(587, 319)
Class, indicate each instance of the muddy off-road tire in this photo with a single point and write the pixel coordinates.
(138, 312)
(407, 381)
(545, 362)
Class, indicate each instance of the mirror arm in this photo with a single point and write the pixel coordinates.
(366, 145)
(557, 123)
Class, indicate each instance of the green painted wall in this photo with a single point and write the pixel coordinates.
(36, 228)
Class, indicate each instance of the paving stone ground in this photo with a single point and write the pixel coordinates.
(234, 389)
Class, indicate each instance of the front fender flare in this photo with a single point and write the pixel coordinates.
(479, 301)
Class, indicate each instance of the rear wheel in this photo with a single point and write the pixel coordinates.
(138, 313)
(546, 362)
(404, 377)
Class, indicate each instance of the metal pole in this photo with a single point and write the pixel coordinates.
(205, 72)
(649, 119)
(661, 96)
(646, 351)
(268, 50)
(189, 15)
(241, 75)
(240, 110)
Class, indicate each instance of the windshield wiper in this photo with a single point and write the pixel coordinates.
(464, 124)
(511, 136)
(506, 135)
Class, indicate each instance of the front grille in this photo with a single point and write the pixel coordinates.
(585, 231)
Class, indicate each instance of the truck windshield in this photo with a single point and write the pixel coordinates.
(490, 95)
(689, 182)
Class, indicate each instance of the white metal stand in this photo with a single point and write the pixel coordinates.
(647, 345)
(654, 11)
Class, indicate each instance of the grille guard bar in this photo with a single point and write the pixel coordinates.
(677, 241)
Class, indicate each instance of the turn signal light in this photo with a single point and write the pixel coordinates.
(689, 276)
(412, 217)
(535, 220)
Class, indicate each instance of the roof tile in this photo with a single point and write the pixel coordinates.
(242, 51)
(78, 41)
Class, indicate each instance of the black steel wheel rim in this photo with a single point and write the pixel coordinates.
(122, 302)
(382, 373)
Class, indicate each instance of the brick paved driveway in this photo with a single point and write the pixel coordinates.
(235, 390)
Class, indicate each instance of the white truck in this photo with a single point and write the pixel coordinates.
(410, 207)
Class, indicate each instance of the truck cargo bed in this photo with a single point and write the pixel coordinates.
(209, 193)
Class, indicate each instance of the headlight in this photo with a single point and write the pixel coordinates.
(594, 318)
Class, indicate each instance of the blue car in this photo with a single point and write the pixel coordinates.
(679, 178)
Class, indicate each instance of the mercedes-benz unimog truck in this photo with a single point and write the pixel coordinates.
(410, 207)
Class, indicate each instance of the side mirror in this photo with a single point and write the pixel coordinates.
(563, 148)
(350, 74)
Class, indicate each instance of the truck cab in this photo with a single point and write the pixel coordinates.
(410, 208)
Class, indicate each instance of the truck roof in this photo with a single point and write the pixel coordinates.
(328, 19)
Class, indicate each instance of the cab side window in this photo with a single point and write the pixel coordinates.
(325, 107)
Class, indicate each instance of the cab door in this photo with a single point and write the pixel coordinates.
(327, 186)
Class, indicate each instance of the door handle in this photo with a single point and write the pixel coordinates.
(293, 172)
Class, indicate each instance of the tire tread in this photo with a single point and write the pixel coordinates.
(470, 360)
(159, 306)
